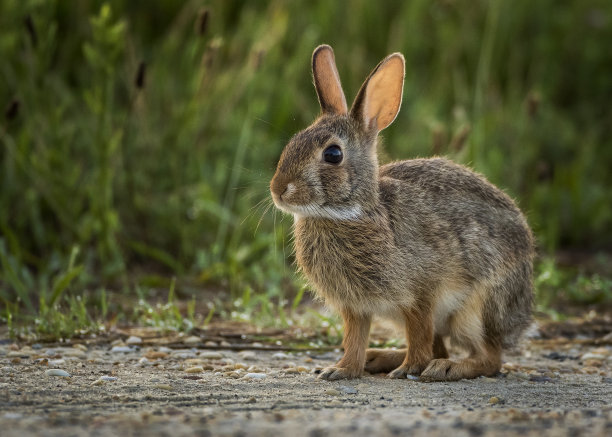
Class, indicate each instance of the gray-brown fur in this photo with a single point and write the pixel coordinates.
(426, 242)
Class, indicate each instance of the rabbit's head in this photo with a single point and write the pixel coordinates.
(330, 169)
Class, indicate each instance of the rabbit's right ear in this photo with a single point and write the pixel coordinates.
(327, 81)
(380, 96)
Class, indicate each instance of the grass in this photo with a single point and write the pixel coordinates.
(138, 139)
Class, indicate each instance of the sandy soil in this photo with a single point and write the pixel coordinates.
(135, 387)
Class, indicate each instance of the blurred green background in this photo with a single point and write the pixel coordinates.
(138, 138)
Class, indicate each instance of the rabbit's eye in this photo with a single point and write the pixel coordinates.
(333, 154)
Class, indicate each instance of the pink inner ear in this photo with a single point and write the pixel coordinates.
(327, 82)
(383, 96)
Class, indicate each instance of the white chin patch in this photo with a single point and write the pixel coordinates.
(328, 212)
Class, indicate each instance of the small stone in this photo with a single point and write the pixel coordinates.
(592, 356)
(57, 372)
(589, 370)
(280, 356)
(192, 340)
(73, 352)
(195, 369)
(332, 392)
(164, 387)
(255, 375)
(540, 378)
(225, 344)
(121, 349)
(251, 400)
(108, 378)
(412, 377)
(183, 354)
(98, 382)
(156, 355)
(77, 346)
(165, 349)
(348, 389)
(592, 362)
(57, 363)
(302, 369)
(308, 360)
(599, 351)
(12, 416)
(211, 344)
(240, 366)
(132, 339)
(247, 355)
(209, 355)
(227, 361)
(494, 400)
(291, 370)
(254, 369)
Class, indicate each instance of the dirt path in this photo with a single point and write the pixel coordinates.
(553, 387)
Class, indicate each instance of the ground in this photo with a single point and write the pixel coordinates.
(207, 384)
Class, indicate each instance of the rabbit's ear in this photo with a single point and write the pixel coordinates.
(327, 81)
(380, 96)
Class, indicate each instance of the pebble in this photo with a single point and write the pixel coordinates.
(13, 416)
(254, 369)
(348, 389)
(132, 339)
(225, 344)
(211, 344)
(97, 382)
(332, 392)
(183, 354)
(195, 369)
(121, 349)
(255, 375)
(494, 400)
(192, 339)
(156, 355)
(593, 363)
(247, 355)
(57, 372)
(412, 377)
(592, 356)
(291, 370)
(589, 370)
(251, 400)
(108, 378)
(280, 356)
(209, 355)
(240, 366)
(56, 363)
(165, 349)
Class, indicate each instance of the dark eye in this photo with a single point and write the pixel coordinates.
(333, 154)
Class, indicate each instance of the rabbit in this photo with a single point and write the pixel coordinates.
(427, 243)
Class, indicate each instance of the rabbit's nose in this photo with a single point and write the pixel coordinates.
(279, 186)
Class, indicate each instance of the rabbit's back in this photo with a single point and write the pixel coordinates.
(456, 226)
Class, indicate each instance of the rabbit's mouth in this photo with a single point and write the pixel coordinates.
(339, 213)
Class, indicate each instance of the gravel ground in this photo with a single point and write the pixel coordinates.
(129, 387)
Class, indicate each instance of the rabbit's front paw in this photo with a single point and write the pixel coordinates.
(333, 373)
(407, 369)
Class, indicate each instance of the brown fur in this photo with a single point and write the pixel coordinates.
(426, 242)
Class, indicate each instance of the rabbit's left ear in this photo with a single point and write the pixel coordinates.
(327, 81)
(380, 96)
